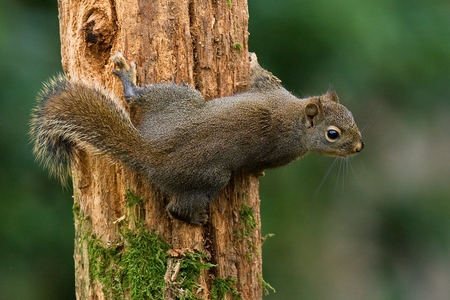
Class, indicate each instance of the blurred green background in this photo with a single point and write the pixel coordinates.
(377, 227)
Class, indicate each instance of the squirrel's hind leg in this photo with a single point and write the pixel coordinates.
(126, 73)
(191, 208)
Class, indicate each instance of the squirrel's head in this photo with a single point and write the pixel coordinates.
(330, 127)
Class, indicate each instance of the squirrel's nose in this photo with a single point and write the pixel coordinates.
(358, 147)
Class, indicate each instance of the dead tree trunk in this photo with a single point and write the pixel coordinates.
(126, 246)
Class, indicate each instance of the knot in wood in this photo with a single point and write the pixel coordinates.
(99, 30)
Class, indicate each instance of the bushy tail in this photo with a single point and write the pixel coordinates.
(73, 115)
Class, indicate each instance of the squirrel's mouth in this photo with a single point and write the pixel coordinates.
(343, 153)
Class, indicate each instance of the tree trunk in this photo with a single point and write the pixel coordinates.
(126, 246)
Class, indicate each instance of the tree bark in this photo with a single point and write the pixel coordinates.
(200, 42)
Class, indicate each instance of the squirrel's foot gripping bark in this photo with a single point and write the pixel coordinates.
(190, 208)
(126, 73)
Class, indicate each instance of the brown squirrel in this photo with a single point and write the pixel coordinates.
(189, 147)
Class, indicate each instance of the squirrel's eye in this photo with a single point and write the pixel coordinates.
(332, 134)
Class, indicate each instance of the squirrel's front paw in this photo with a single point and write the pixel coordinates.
(126, 73)
(121, 63)
(189, 215)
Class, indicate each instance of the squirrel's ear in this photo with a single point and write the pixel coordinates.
(312, 109)
(331, 95)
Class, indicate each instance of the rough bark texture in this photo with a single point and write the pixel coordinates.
(201, 42)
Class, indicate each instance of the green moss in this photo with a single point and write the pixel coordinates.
(135, 207)
(77, 213)
(247, 226)
(191, 266)
(84, 227)
(249, 223)
(238, 46)
(229, 3)
(131, 199)
(247, 230)
(223, 286)
(269, 235)
(135, 265)
(76, 209)
(265, 285)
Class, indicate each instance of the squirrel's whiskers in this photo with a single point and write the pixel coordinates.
(342, 176)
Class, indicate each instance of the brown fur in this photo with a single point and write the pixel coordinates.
(187, 146)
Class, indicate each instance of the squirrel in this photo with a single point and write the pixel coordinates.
(187, 146)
